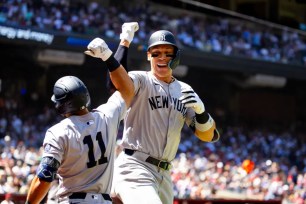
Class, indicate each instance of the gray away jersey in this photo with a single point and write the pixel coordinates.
(84, 145)
(156, 117)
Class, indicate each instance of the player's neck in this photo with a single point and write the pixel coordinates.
(78, 113)
(166, 79)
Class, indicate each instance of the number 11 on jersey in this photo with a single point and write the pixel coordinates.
(91, 157)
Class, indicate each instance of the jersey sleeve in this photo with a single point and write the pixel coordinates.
(115, 106)
(138, 80)
(190, 114)
(54, 144)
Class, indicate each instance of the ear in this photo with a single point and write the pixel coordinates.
(149, 56)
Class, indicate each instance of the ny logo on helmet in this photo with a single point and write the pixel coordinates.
(162, 37)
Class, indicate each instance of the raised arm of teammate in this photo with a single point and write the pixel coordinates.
(121, 54)
(122, 82)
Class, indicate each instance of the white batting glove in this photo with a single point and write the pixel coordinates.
(128, 30)
(99, 49)
(191, 100)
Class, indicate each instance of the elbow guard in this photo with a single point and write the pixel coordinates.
(175, 61)
(47, 169)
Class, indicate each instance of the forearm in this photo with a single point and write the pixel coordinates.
(38, 190)
(205, 128)
(125, 43)
(207, 135)
(121, 56)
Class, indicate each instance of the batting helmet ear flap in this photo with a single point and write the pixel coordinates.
(175, 61)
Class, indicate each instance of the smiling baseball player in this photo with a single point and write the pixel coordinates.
(152, 127)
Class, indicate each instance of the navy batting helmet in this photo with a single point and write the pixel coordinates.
(161, 37)
(164, 37)
(70, 95)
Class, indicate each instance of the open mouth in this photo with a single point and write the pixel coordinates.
(162, 65)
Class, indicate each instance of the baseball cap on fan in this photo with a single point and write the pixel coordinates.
(8, 196)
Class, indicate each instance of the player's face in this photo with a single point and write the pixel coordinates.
(159, 56)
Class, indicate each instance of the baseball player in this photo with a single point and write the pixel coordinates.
(153, 124)
(81, 148)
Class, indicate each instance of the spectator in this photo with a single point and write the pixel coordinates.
(8, 199)
(221, 35)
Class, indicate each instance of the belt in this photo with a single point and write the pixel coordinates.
(159, 163)
(81, 195)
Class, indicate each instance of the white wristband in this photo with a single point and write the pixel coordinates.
(205, 126)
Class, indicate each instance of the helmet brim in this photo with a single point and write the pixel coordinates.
(53, 99)
(161, 43)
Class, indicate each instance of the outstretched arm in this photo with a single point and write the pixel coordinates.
(121, 55)
(121, 80)
(126, 37)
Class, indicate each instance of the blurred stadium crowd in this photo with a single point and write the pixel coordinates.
(222, 35)
(277, 157)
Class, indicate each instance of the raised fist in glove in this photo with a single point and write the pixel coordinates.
(99, 49)
(128, 30)
(191, 100)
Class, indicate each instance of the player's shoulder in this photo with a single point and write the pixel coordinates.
(182, 84)
(57, 125)
(102, 109)
(138, 73)
(60, 126)
(140, 77)
(115, 102)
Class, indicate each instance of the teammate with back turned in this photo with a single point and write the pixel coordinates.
(80, 149)
(152, 127)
